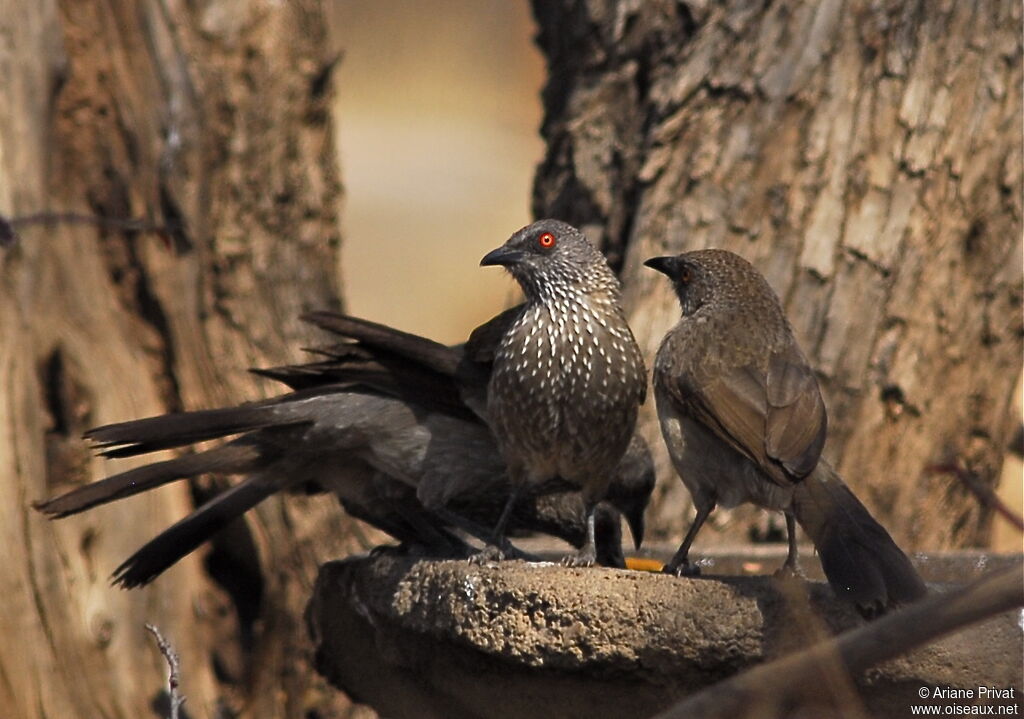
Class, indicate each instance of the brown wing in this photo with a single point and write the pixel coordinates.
(775, 417)
(796, 413)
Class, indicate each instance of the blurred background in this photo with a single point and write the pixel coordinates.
(438, 110)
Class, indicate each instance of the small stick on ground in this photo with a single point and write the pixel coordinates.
(173, 678)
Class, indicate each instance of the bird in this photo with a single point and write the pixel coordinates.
(742, 415)
(564, 375)
(455, 380)
(369, 432)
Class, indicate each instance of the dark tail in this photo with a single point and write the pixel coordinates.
(140, 436)
(419, 350)
(860, 559)
(182, 538)
(383, 360)
(231, 458)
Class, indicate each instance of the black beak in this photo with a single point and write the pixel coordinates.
(504, 256)
(635, 520)
(665, 265)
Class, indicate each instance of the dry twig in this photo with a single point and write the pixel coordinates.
(173, 678)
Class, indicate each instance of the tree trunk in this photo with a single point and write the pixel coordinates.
(866, 156)
(210, 121)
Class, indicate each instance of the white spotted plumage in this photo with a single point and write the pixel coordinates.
(568, 376)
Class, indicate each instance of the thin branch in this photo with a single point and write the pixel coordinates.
(120, 223)
(774, 689)
(173, 678)
(985, 495)
(9, 225)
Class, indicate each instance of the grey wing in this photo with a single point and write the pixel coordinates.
(460, 460)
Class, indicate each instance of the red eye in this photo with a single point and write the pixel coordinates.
(685, 275)
(546, 240)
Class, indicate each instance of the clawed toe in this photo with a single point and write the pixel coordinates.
(789, 571)
(488, 554)
(580, 559)
(682, 570)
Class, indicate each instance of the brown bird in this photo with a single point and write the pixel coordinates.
(743, 418)
(566, 377)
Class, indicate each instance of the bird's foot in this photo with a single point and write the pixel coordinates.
(583, 558)
(682, 569)
(487, 555)
(790, 570)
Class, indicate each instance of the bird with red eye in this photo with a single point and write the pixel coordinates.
(566, 375)
(546, 240)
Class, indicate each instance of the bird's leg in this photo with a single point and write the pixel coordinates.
(498, 537)
(431, 537)
(680, 563)
(483, 534)
(791, 567)
(495, 549)
(587, 554)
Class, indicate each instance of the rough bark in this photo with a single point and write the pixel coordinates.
(866, 156)
(211, 120)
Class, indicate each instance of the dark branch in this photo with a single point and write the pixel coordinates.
(985, 495)
(10, 225)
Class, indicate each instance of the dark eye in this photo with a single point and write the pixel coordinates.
(546, 240)
(685, 275)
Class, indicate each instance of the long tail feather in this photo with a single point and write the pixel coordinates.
(421, 350)
(860, 559)
(230, 458)
(168, 547)
(140, 436)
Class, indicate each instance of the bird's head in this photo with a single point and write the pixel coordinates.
(550, 257)
(709, 276)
